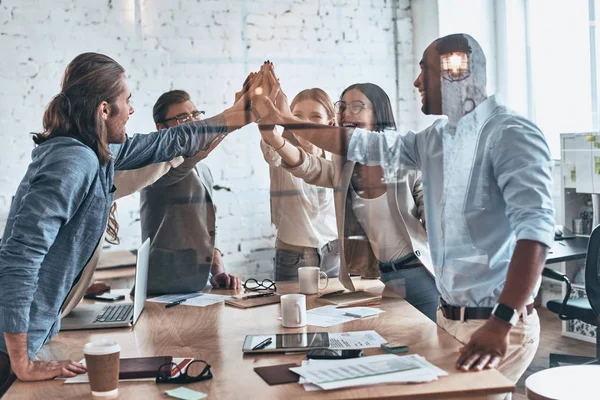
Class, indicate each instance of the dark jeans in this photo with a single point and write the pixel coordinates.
(287, 261)
(7, 377)
(417, 286)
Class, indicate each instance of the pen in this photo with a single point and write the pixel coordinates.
(255, 296)
(374, 303)
(263, 344)
(187, 297)
(333, 293)
(352, 315)
(175, 303)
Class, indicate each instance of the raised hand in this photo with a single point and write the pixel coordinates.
(245, 87)
(274, 102)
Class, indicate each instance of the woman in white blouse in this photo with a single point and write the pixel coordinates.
(381, 224)
(303, 214)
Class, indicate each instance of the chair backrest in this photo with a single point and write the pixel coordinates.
(592, 270)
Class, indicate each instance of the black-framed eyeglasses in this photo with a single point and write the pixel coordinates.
(254, 285)
(186, 117)
(355, 106)
(196, 371)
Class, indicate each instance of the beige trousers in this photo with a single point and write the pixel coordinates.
(524, 341)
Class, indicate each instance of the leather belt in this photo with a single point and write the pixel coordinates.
(466, 313)
(406, 263)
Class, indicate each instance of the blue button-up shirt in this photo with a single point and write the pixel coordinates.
(487, 184)
(58, 215)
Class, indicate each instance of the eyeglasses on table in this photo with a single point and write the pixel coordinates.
(196, 371)
(254, 285)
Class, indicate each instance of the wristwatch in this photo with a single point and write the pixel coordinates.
(505, 313)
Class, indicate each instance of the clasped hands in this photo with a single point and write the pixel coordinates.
(263, 100)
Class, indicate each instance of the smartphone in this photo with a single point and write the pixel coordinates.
(329, 354)
(105, 297)
(394, 348)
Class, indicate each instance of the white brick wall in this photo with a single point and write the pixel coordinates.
(207, 48)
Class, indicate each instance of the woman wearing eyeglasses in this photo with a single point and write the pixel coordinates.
(303, 214)
(381, 226)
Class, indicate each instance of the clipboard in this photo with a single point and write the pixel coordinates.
(240, 302)
(351, 299)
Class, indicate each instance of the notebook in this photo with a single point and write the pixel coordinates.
(141, 367)
(278, 374)
(351, 299)
(240, 302)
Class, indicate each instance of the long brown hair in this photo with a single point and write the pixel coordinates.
(89, 80)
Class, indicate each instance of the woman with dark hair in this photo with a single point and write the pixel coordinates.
(303, 214)
(381, 225)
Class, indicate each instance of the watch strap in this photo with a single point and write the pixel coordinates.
(505, 313)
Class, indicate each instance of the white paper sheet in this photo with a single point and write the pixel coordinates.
(331, 315)
(193, 299)
(355, 340)
(336, 374)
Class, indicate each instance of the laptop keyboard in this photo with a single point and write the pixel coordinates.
(116, 313)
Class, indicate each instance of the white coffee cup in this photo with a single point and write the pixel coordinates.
(293, 310)
(309, 278)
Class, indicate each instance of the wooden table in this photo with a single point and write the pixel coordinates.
(216, 334)
(569, 382)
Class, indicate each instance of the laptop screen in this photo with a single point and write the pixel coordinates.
(141, 279)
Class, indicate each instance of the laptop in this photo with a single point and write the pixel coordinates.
(99, 316)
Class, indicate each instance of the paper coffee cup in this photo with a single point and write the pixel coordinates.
(102, 362)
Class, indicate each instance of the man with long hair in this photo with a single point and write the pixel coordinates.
(61, 206)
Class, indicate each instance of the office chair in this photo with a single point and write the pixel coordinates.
(584, 309)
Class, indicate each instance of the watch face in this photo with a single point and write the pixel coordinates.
(505, 313)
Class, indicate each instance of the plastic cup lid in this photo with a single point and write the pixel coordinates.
(100, 347)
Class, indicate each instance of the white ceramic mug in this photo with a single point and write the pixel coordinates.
(309, 279)
(293, 310)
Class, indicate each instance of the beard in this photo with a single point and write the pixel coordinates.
(115, 126)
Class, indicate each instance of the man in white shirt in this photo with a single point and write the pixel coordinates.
(487, 184)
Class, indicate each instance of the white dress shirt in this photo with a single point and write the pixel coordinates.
(487, 184)
(303, 214)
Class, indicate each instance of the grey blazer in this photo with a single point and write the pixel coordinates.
(406, 202)
(178, 215)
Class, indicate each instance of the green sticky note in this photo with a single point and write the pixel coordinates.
(186, 394)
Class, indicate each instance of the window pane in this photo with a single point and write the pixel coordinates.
(560, 63)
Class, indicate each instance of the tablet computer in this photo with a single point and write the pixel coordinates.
(282, 342)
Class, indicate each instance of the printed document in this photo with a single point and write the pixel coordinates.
(192, 299)
(355, 340)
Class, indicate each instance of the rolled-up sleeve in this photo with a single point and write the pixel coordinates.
(182, 140)
(523, 170)
(54, 195)
(389, 149)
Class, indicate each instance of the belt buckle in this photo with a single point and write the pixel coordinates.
(462, 314)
